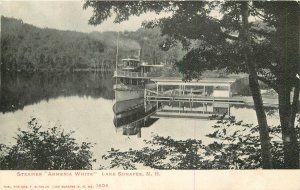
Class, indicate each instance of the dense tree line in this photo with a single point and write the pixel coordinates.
(26, 47)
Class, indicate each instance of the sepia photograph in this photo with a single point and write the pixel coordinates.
(137, 89)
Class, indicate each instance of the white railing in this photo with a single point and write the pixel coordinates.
(129, 74)
(150, 92)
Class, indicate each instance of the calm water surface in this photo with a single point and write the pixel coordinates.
(83, 102)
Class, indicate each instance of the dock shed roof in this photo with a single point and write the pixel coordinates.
(201, 82)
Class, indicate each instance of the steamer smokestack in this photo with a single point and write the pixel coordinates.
(139, 54)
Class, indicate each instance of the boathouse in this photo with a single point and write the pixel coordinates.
(209, 87)
(197, 98)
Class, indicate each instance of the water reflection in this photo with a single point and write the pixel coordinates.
(132, 115)
(84, 103)
(21, 89)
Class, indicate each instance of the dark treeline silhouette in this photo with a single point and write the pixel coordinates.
(25, 47)
(21, 89)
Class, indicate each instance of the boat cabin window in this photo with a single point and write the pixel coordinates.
(131, 63)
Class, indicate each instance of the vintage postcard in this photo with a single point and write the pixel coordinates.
(149, 95)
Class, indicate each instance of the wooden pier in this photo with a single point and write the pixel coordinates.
(151, 96)
(209, 98)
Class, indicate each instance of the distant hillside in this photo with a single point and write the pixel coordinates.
(26, 47)
(148, 40)
(127, 47)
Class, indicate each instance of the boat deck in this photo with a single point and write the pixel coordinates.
(133, 75)
(163, 114)
(160, 98)
(152, 96)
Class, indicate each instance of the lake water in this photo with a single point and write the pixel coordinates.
(83, 102)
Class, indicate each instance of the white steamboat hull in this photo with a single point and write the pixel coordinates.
(122, 95)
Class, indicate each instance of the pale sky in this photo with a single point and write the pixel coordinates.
(65, 15)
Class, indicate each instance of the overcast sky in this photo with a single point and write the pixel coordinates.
(64, 15)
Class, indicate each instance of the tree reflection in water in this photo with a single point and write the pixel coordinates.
(21, 89)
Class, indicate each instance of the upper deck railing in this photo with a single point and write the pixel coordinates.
(153, 96)
(129, 74)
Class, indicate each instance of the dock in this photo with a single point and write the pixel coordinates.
(207, 98)
(151, 97)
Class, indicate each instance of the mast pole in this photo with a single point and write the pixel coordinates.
(117, 57)
(117, 54)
